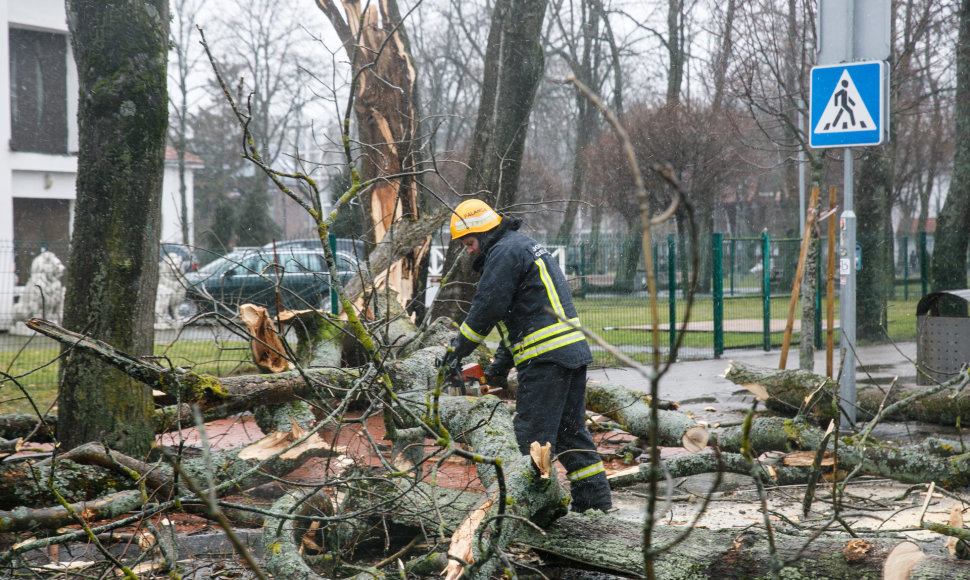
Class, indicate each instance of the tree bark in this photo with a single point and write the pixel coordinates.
(877, 274)
(90, 473)
(772, 434)
(611, 545)
(706, 462)
(220, 397)
(632, 410)
(120, 49)
(485, 424)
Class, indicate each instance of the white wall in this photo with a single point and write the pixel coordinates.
(44, 176)
(172, 204)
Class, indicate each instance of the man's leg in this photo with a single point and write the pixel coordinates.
(551, 407)
(577, 451)
(539, 403)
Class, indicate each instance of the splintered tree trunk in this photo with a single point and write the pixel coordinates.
(514, 63)
(385, 105)
(120, 49)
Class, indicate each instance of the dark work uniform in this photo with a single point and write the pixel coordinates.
(520, 289)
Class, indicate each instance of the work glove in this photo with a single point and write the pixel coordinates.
(496, 377)
(451, 365)
(449, 360)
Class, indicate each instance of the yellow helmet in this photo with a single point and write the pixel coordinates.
(473, 216)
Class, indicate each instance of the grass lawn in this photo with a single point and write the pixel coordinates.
(35, 369)
(624, 321)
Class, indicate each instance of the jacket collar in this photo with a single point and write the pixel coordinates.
(488, 239)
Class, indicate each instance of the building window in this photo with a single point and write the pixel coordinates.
(38, 91)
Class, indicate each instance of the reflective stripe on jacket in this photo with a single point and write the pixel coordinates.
(520, 289)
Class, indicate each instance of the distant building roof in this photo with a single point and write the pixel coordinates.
(914, 223)
(172, 155)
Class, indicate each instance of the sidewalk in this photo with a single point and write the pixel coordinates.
(699, 386)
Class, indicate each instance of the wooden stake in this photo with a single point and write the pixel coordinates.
(796, 286)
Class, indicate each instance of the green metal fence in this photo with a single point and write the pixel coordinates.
(743, 290)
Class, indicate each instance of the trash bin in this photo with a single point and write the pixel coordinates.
(942, 340)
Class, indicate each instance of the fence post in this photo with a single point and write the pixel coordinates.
(766, 290)
(717, 292)
(731, 263)
(334, 305)
(582, 270)
(672, 289)
(923, 266)
(905, 267)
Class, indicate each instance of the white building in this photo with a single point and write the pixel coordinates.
(39, 143)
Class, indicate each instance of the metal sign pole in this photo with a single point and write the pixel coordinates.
(847, 278)
(850, 30)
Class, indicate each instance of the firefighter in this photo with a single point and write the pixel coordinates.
(523, 293)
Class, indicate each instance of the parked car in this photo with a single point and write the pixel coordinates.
(351, 246)
(253, 275)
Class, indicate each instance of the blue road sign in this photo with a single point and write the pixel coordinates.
(849, 104)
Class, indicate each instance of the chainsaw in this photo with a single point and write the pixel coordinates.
(472, 381)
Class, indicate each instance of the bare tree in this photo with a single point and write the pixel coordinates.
(582, 33)
(949, 266)
(268, 47)
(924, 119)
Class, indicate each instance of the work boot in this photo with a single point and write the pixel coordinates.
(591, 493)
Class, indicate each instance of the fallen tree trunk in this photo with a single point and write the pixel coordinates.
(632, 411)
(708, 462)
(22, 484)
(788, 390)
(604, 543)
(88, 472)
(911, 464)
(771, 434)
(229, 395)
(52, 518)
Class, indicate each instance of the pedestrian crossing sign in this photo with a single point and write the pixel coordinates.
(848, 107)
